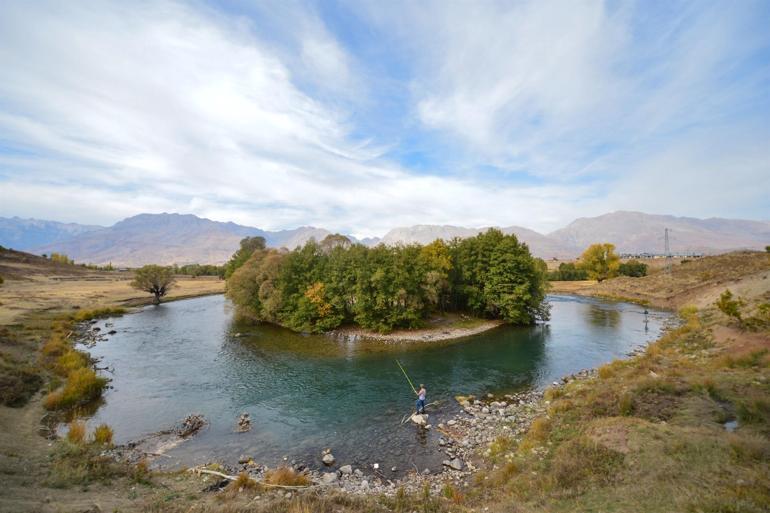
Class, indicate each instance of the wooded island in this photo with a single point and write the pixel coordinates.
(321, 286)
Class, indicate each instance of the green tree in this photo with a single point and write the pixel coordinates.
(155, 279)
(248, 246)
(600, 261)
(633, 268)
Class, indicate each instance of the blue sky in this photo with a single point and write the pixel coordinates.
(362, 116)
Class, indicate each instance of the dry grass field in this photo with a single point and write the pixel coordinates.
(34, 283)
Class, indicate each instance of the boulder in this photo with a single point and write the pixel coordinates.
(346, 469)
(420, 420)
(328, 459)
(454, 464)
(328, 478)
(244, 458)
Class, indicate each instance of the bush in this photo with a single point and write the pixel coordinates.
(633, 268)
(76, 433)
(568, 272)
(83, 385)
(729, 306)
(97, 313)
(103, 435)
(285, 476)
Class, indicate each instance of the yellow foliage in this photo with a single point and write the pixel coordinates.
(103, 435)
(77, 432)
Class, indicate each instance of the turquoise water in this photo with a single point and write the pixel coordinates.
(308, 392)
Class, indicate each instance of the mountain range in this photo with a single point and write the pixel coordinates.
(181, 239)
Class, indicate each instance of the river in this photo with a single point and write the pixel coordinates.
(308, 392)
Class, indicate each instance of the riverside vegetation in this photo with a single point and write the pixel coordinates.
(321, 286)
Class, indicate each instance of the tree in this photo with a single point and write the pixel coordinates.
(633, 268)
(154, 279)
(600, 261)
(248, 246)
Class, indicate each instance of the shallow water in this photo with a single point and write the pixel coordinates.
(307, 392)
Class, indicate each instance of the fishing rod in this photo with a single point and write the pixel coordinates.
(407, 377)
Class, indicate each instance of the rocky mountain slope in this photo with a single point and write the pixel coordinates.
(180, 239)
(635, 232)
(170, 239)
(23, 234)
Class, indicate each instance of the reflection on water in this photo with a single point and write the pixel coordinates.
(305, 393)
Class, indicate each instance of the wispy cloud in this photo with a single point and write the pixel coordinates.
(368, 116)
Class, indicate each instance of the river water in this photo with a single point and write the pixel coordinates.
(308, 392)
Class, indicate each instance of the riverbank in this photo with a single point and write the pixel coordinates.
(439, 328)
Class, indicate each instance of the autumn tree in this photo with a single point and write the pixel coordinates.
(155, 279)
(600, 261)
(246, 249)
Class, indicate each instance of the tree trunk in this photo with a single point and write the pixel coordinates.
(156, 301)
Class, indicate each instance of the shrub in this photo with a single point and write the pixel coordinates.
(83, 385)
(103, 435)
(286, 476)
(633, 268)
(754, 411)
(729, 306)
(97, 313)
(242, 482)
(76, 433)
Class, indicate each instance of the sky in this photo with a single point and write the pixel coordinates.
(362, 116)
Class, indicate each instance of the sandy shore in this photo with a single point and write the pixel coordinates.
(445, 330)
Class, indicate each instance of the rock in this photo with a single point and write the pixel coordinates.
(376, 466)
(441, 441)
(420, 420)
(454, 464)
(243, 459)
(328, 459)
(358, 473)
(244, 423)
(393, 469)
(364, 484)
(111, 332)
(485, 410)
(451, 422)
(329, 478)
(346, 469)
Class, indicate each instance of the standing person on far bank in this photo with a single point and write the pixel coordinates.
(421, 393)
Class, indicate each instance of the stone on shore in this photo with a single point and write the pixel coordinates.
(346, 469)
(454, 464)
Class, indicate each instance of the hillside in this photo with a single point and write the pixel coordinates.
(170, 239)
(24, 234)
(635, 232)
(180, 239)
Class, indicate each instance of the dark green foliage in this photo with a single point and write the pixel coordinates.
(568, 272)
(248, 246)
(196, 270)
(318, 287)
(633, 268)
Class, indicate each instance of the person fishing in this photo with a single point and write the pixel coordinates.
(421, 393)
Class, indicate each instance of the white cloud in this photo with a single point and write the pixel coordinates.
(113, 109)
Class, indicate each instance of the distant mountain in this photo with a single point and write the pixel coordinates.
(24, 234)
(170, 239)
(635, 232)
(539, 244)
(181, 239)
